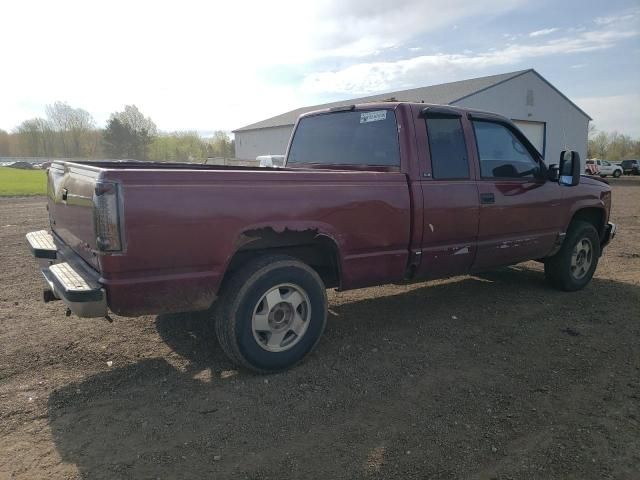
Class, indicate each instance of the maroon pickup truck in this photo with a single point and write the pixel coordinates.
(370, 194)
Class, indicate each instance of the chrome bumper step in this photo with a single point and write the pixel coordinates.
(71, 284)
(42, 245)
(84, 296)
(69, 280)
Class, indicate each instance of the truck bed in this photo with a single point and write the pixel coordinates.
(182, 223)
(142, 165)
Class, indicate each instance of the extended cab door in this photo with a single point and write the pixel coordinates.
(449, 191)
(520, 218)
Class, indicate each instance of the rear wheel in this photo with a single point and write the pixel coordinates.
(271, 313)
(573, 266)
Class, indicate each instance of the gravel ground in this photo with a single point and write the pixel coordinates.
(492, 376)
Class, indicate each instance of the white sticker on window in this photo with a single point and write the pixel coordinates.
(366, 117)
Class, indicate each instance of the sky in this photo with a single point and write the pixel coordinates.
(216, 65)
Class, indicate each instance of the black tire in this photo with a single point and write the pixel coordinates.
(558, 269)
(241, 296)
(616, 174)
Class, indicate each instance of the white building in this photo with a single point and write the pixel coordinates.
(549, 119)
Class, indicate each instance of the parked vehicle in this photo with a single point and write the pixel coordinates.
(630, 167)
(603, 168)
(270, 160)
(370, 194)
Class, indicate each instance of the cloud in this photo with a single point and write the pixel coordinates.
(373, 77)
(544, 31)
(200, 65)
(194, 64)
(619, 113)
(629, 15)
(359, 28)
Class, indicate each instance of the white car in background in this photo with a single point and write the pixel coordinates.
(271, 160)
(603, 168)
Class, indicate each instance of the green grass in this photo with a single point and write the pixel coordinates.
(16, 182)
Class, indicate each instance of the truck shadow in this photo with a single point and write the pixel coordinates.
(386, 365)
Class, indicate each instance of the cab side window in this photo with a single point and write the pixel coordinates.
(501, 154)
(449, 160)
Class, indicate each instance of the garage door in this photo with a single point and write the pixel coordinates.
(534, 132)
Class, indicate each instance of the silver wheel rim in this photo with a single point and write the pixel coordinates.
(581, 258)
(281, 317)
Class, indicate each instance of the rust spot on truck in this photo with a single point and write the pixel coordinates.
(275, 236)
(515, 243)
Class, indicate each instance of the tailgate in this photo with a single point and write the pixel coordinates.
(71, 189)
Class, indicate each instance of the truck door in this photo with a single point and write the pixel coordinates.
(449, 191)
(520, 214)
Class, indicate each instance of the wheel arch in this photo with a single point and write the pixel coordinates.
(592, 214)
(309, 244)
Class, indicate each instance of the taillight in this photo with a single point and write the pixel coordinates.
(106, 201)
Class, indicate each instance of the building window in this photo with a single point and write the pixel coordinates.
(529, 97)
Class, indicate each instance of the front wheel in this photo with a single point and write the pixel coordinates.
(617, 174)
(271, 313)
(573, 266)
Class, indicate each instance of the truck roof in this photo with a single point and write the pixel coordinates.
(394, 105)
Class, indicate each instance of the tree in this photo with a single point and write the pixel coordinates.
(129, 133)
(178, 147)
(598, 144)
(5, 144)
(119, 139)
(73, 127)
(620, 146)
(220, 145)
(35, 138)
(611, 146)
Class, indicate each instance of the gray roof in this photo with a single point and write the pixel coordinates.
(443, 94)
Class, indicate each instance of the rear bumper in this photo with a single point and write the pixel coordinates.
(88, 292)
(68, 277)
(609, 233)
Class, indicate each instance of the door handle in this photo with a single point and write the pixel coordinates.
(486, 198)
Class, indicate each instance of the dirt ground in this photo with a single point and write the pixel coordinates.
(492, 376)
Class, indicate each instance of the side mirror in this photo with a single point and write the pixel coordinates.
(553, 172)
(569, 168)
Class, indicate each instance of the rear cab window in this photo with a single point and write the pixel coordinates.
(357, 137)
